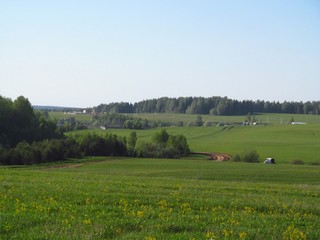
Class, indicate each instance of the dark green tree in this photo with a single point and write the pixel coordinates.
(179, 142)
(161, 137)
(250, 156)
(131, 143)
(199, 121)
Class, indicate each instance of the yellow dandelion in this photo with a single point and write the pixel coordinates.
(140, 214)
(87, 221)
(150, 238)
(243, 235)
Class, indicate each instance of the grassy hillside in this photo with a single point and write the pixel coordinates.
(160, 199)
(282, 142)
(152, 199)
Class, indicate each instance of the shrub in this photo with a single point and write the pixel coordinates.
(161, 137)
(297, 161)
(179, 142)
(163, 145)
(316, 163)
(250, 156)
(180, 124)
(4, 155)
(208, 124)
(191, 124)
(22, 154)
(236, 158)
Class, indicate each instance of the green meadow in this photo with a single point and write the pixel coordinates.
(285, 142)
(266, 118)
(125, 198)
(79, 117)
(273, 138)
(190, 198)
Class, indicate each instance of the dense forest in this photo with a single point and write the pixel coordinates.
(212, 105)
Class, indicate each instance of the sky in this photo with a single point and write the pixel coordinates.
(81, 53)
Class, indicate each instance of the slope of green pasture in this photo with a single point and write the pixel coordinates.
(199, 170)
(160, 199)
(282, 142)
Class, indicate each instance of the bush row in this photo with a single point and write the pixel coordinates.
(163, 145)
(247, 156)
(60, 149)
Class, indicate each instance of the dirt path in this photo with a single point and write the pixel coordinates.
(215, 156)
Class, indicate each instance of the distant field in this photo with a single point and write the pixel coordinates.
(282, 142)
(79, 117)
(119, 198)
(187, 118)
(264, 118)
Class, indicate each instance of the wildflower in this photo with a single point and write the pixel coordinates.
(163, 204)
(233, 221)
(227, 233)
(140, 214)
(210, 235)
(243, 235)
(87, 221)
(150, 238)
(294, 233)
(118, 231)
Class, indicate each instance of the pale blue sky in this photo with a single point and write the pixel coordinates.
(83, 53)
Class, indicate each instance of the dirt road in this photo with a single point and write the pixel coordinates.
(215, 156)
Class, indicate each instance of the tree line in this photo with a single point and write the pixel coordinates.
(211, 105)
(28, 137)
(162, 145)
(51, 150)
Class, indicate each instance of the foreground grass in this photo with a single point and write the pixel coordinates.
(160, 199)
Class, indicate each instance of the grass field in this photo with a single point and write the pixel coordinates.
(284, 142)
(123, 198)
(266, 118)
(186, 118)
(78, 117)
